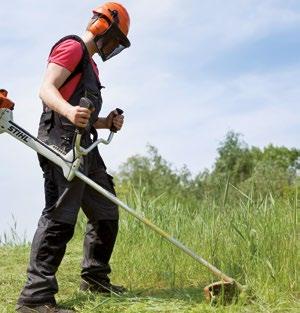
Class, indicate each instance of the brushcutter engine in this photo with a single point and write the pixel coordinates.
(5, 103)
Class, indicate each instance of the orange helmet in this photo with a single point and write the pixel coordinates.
(107, 10)
(110, 28)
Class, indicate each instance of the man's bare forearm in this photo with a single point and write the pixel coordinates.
(113, 119)
(54, 100)
(101, 123)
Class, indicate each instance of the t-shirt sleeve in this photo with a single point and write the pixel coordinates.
(67, 54)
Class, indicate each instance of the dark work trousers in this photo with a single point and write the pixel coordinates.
(56, 227)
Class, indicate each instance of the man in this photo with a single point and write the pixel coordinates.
(72, 74)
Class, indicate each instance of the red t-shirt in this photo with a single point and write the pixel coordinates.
(68, 54)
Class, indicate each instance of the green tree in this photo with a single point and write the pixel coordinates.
(155, 175)
(234, 161)
(275, 169)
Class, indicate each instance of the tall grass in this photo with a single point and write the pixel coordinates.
(254, 241)
(250, 237)
(12, 237)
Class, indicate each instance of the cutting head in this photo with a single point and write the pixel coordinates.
(222, 292)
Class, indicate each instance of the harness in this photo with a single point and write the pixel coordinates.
(57, 130)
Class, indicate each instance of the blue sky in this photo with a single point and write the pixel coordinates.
(196, 69)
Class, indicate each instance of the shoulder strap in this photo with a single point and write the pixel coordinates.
(82, 62)
(80, 65)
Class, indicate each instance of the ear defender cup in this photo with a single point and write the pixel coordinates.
(99, 26)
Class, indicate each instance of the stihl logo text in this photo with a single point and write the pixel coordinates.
(18, 133)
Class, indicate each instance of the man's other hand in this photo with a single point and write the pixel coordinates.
(113, 119)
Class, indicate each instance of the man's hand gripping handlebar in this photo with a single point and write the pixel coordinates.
(79, 151)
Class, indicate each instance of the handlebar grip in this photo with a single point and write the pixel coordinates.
(120, 112)
(88, 104)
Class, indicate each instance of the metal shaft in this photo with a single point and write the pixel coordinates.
(7, 125)
(162, 233)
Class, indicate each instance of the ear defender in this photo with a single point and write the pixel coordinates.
(99, 26)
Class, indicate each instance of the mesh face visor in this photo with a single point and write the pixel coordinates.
(111, 42)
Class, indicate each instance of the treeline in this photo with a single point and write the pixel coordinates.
(248, 171)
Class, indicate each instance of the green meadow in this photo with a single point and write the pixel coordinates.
(241, 216)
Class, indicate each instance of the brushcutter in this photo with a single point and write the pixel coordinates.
(70, 162)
